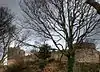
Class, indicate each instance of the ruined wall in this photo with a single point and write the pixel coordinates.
(15, 52)
(86, 52)
(58, 56)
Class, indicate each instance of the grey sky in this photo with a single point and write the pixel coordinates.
(12, 4)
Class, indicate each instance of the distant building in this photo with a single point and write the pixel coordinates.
(15, 52)
(86, 52)
(30, 57)
(15, 56)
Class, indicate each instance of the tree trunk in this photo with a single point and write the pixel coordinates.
(71, 60)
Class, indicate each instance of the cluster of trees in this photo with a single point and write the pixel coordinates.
(67, 21)
(6, 30)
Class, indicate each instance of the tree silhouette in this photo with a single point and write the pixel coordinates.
(95, 4)
(44, 51)
(65, 22)
(6, 29)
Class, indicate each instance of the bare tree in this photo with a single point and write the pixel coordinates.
(70, 21)
(6, 30)
(95, 4)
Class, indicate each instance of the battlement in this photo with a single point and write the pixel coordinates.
(85, 45)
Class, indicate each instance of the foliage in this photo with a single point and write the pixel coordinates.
(87, 67)
(18, 68)
(54, 66)
(44, 51)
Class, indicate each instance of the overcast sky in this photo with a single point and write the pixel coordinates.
(13, 5)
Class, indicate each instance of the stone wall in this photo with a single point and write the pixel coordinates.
(15, 52)
(87, 53)
(58, 56)
(31, 57)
